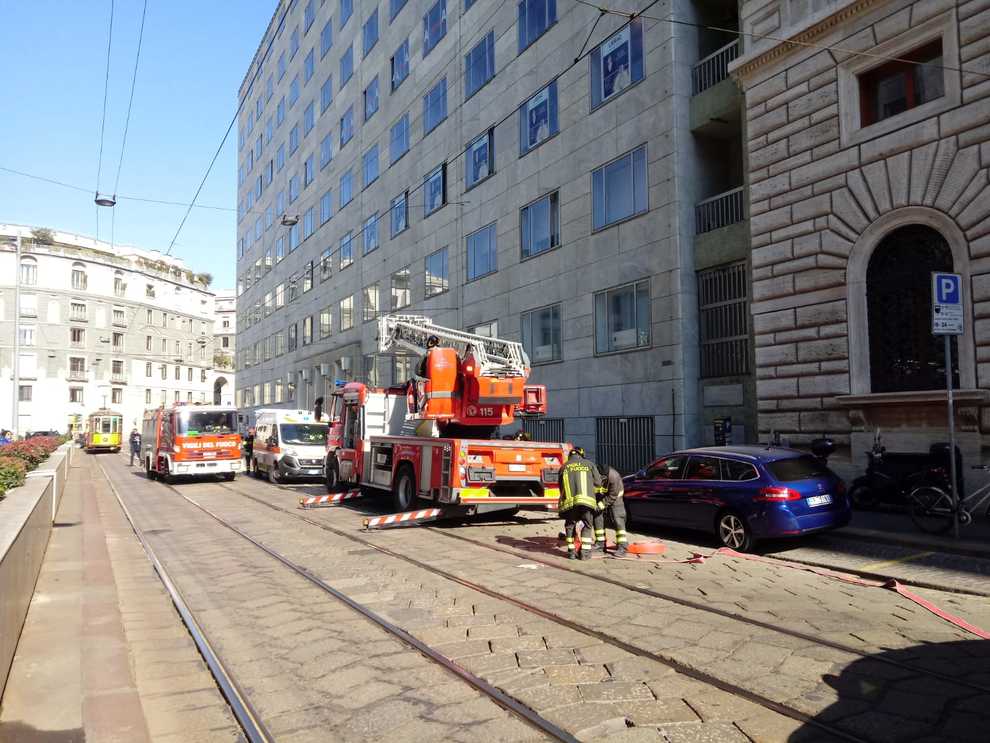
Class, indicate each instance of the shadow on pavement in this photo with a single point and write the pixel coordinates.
(21, 733)
(877, 701)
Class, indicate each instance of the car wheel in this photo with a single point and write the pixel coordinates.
(274, 476)
(733, 532)
(862, 497)
(404, 491)
(331, 474)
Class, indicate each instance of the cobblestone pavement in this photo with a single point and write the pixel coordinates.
(861, 694)
(314, 669)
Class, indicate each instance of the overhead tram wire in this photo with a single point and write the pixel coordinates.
(127, 119)
(233, 120)
(103, 123)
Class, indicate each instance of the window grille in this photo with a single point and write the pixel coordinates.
(723, 299)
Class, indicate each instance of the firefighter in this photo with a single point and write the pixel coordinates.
(248, 449)
(422, 372)
(579, 479)
(610, 504)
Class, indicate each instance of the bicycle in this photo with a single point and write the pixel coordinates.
(933, 511)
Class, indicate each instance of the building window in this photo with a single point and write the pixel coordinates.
(436, 273)
(309, 118)
(540, 226)
(28, 305)
(280, 158)
(307, 335)
(369, 302)
(434, 26)
(309, 171)
(904, 354)
(326, 150)
(77, 367)
(480, 161)
(293, 91)
(541, 334)
(147, 396)
(149, 317)
(394, 7)
(370, 165)
(479, 65)
(147, 343)
(309, 220)
(619, 189)
(29, 273)
(309, 66)
(481, 253)
(77, 337)
(617, 63)
(76, 394)
(370, 33)
(914, 79)
(326, 322)
(371, 99)
(294, 231)
(326, 38)
(538, 119)
(326, 206)
(26, 335)
(118, 317)
(622, 318)
(400, 64)
(436, 190)
(724, 320)
(625, 443)
(487, 329)
(346, 126)
(326, 94)
(534, 18)
(279, 249)
(116, 396)
(326, 264)
(400, 213)
(435, 107)
(370, 234)
(346, 66)
(118, 341)
(346, 188)
(79, 280)
(147, 369)
(294, 139)
(293, 337)
(178, 373)
(77, 311)
(346, 8)
(347, 313)
(346, 250)
(294, 43)
(398, 144)
(401, 294)
(280, 111)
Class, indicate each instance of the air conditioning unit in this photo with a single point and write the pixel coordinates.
(326, 370)
(305, 375)
(345, 363)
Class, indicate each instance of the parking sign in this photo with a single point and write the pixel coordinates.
(947, 307)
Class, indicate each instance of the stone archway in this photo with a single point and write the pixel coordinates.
(219, 384)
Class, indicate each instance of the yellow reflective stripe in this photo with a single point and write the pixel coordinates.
(475, 492)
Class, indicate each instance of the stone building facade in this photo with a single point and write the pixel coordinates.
(867, 172)
(225, 346)
(453, 160)
(98, 325)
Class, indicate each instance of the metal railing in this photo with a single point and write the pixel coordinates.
(714, 68)
(78, 376)
(718, 211)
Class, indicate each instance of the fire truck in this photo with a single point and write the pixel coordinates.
(435, 439)
(190, 439)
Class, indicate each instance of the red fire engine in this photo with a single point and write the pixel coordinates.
(188, 439)
(434, 438)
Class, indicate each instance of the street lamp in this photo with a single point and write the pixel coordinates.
(290, 221)
(105, 200)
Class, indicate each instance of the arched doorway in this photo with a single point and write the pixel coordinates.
(218, 390)
(904, 355)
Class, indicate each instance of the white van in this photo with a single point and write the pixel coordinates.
(289, 444)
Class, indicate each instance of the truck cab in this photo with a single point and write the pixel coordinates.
(289, 444)
(188, 440)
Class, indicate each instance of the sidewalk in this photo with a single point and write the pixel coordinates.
(897, 528)
(103, 656)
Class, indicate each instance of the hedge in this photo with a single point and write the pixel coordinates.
(19, 457)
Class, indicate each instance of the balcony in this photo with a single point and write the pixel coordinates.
(76, 375)
(714, 68)
(719, 211)
(716, 102)
(721, 229)
(120, 378)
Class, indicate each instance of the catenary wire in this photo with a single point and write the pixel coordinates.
(130, 102)
(106, 92)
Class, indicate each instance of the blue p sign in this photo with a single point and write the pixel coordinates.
(947, 288)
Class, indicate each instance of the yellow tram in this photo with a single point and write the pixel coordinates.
(104, 431)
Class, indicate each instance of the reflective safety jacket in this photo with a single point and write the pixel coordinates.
(611, 489)
(579, 479)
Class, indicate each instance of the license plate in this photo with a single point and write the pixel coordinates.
(314, 472)
(820, 500)
(517, 468)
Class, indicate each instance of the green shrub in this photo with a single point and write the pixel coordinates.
(12, 473)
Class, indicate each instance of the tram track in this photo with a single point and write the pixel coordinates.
(244, 711)
(690, 672)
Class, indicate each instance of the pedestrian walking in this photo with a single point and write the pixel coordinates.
(5, 437)
(578, 481)
(610, 510)
(248, 449)
(135, 440)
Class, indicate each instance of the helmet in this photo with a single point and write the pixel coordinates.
(577, 451)
(602, 469)
(432, 341)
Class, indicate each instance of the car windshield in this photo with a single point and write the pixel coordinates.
(303, 434)
(798, 468)
(196, 422)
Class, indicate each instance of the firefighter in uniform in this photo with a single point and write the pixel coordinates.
(579, 479)
(610, 504)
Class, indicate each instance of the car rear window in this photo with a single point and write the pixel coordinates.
(798, 468)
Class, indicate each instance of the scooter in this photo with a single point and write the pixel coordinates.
(888, 480)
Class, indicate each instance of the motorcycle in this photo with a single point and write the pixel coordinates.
(889, 478)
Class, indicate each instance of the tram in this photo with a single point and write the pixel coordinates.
(104, 430)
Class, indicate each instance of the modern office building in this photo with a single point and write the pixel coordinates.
(528, 169)
(224, 345)
(97, 326)
(869, 172)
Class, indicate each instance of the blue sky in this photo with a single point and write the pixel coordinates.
(194, 56)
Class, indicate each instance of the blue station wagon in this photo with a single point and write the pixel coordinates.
(742, 494)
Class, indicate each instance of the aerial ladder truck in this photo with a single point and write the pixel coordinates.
(434, 439)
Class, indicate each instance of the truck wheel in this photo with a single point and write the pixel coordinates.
(255, 471)
(166, 472)
(148, 471)
(331, 474)
(228, 476)
(274, 476)
(404, 495)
